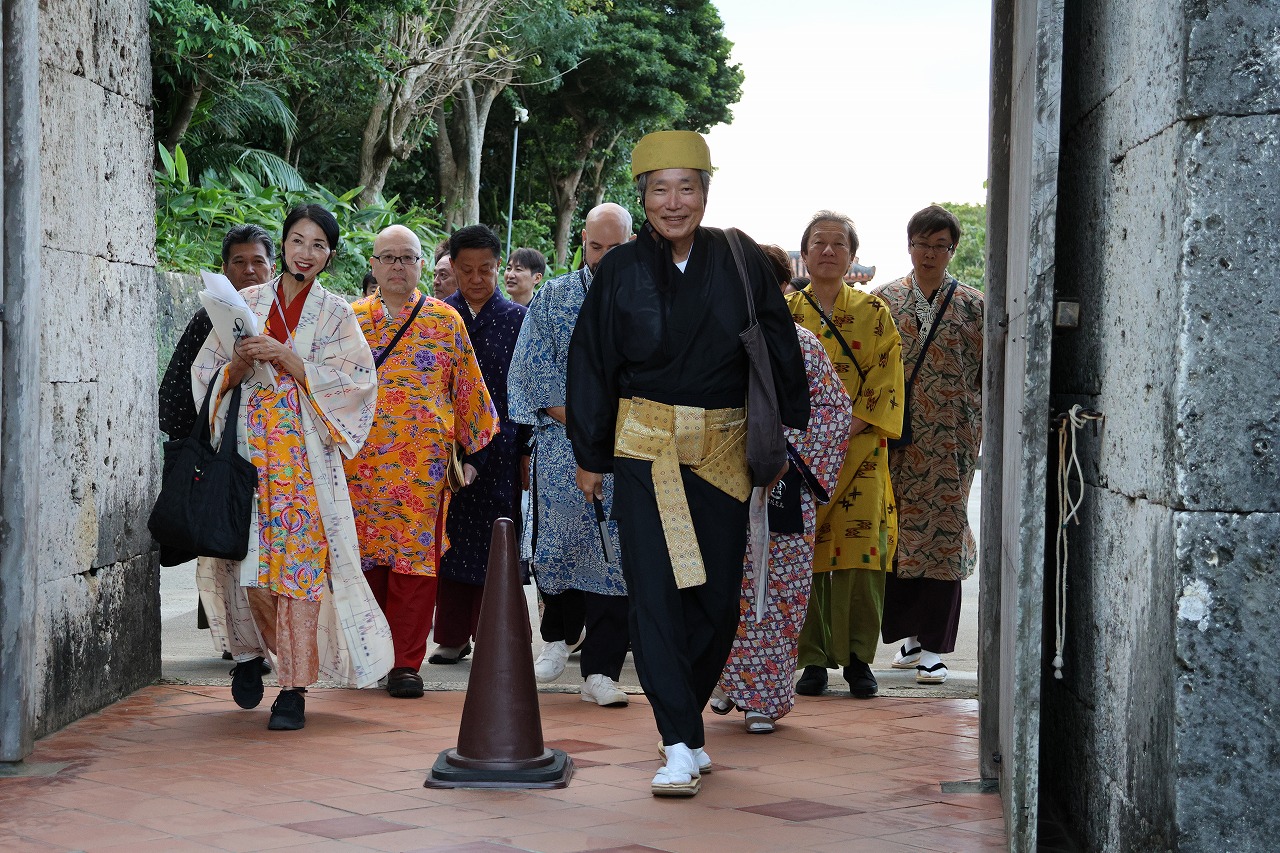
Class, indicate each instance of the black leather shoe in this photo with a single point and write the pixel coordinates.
(812, 681)
(448, 660)
(404, 683)
(287, 711)
(246, 683)
(862, 683)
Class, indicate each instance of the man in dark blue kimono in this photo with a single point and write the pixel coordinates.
(493, 323)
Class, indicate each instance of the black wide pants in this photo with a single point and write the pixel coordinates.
(680, 638)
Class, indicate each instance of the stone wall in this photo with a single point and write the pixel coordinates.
(1161, 735)
(98, 590)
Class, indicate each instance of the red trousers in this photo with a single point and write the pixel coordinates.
(408, 602)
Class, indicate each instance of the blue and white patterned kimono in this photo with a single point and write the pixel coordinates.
(567, 552)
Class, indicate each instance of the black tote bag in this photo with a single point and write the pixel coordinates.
(206, 495)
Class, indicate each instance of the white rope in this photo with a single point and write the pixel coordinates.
(1068, 507)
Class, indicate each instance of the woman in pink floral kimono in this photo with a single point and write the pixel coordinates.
(307, 400)
(757, 677)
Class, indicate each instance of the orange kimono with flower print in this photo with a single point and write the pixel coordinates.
(430, 393)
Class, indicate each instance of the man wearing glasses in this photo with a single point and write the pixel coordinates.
(430, 394)
(940, 321)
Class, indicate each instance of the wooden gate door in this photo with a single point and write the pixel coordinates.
(1022, 203)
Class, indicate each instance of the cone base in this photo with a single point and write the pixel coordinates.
(554, 775)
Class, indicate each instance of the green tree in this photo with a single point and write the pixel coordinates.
(227, 74)
(652, 66)
(970, 263)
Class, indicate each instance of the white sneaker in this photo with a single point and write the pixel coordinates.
(551, 661)
(601, 690)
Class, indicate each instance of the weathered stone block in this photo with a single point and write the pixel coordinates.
(68, 527)
(102, 41)
(1227, 753)
(1119, 249)
(99, 639)
(128, 181)
(1233, 57)
(1228, 400)
(70, 314)
(71, 120)
(176, 303)
(1122, 63)
(1109, 720)
(101, 439)
(126, 448)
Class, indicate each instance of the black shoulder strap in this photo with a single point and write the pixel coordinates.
(382, 356)
(735, 246)
(862, 374)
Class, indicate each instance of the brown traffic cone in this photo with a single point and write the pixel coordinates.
(500, 737)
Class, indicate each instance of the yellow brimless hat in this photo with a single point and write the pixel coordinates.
(670, 149)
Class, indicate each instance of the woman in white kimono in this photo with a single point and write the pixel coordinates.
(308, 397)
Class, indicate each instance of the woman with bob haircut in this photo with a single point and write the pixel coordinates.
(310, 604)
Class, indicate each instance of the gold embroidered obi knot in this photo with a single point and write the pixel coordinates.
(712, 443)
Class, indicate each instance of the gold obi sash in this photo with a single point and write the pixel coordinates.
(711, 442)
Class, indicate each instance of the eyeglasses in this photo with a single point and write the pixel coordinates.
(392, 260)
(925, 248)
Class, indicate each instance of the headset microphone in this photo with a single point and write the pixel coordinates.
(285, 263)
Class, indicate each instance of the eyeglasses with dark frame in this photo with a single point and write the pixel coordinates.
(392, 260)
(925, 247)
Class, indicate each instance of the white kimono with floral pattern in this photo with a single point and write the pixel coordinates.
(354, 640)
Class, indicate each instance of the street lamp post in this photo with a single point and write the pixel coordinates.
(522, 115)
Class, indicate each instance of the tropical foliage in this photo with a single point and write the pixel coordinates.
(192, 215)
(414, 101)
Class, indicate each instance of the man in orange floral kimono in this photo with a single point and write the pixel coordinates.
(430, 394)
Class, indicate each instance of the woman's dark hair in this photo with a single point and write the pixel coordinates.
(368, 284)
(531, 259)
(475, 237)
(933, 219)
(779, 262)
(317, 214)
(323, 219)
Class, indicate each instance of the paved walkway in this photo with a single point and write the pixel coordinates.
(179, 768)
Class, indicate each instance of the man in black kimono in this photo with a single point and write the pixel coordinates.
(657, 382)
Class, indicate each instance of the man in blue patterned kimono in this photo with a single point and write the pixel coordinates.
(579, 586)
(493, 324)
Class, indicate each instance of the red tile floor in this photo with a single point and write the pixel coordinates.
(180, 768)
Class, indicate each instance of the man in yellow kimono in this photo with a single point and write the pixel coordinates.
(430, 394)
(857, 530)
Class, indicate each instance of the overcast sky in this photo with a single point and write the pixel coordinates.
(874, 109)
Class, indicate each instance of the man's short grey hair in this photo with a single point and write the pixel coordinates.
(642, 183)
